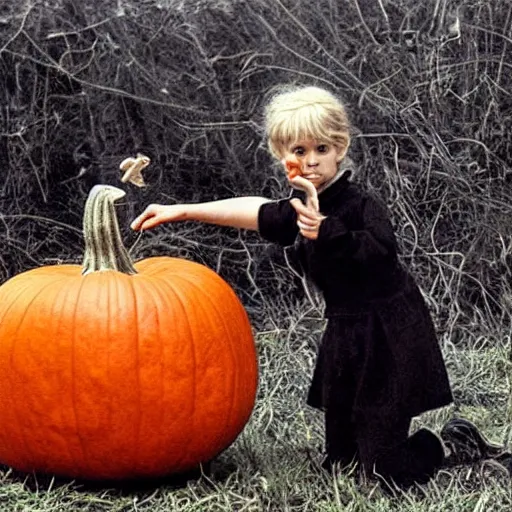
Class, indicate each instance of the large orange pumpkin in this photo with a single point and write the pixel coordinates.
(115, 371)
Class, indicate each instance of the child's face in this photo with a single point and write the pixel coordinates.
(319, 160)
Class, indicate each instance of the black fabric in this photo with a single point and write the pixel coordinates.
(383, 359)
(414, 460)
(277, 221)
(379, 362)
(348, 441)
(354, 259)
(389, 454)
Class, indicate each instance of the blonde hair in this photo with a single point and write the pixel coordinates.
(303, 113)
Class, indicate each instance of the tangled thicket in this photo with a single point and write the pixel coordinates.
(428, 86)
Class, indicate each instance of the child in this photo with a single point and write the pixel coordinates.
(379, 363)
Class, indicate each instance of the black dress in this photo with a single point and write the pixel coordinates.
(379, 362)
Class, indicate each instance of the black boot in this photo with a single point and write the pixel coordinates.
(505, 460)
(466, 444)
(414, 461)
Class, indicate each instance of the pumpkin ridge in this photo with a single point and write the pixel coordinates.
(234, 360)
(26, 309)
(12, 302)
(109, 362)
(64, 301)
(110, 338)
(194, 369)
(73, 371)
(155, 289)
(158, 266)
(137, 365)
(161, 299)
(179, 299)
(160, 285)
(227, 332)
(115, 288)
(16, 414)
(214, 279)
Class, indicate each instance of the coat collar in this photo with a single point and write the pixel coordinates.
(342, 174)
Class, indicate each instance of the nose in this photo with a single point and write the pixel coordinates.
(311, 159)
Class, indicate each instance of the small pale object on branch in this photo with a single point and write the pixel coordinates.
(132, 169)
(454, 29)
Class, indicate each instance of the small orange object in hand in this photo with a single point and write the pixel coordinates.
(293, 168)
(296, 176)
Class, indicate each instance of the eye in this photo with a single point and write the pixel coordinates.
(323, 148)
(299, 150)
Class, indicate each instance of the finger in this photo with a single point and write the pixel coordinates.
(304, 184)
(308, 229)
(309, 188)
(296, 202)
(150, 223)
(312, 203)
(310, 235)
(307, 221)
(142, 219)
(153, 221)
(302, 209)
(135, 225)
(299, 206)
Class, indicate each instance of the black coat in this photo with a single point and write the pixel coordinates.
(379, 355)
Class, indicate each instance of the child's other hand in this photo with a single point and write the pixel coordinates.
(156, 214)
(308, 219)
(308, 187)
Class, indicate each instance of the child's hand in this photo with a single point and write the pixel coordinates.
(308, 187)
(156, 214)
(308, 215)
(308, 219)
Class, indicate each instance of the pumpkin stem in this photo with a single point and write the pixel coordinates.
(104, 248)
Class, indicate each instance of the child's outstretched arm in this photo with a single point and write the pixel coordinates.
(236, 212)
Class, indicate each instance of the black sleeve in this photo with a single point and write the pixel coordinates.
(374, 240)
(277, 221)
